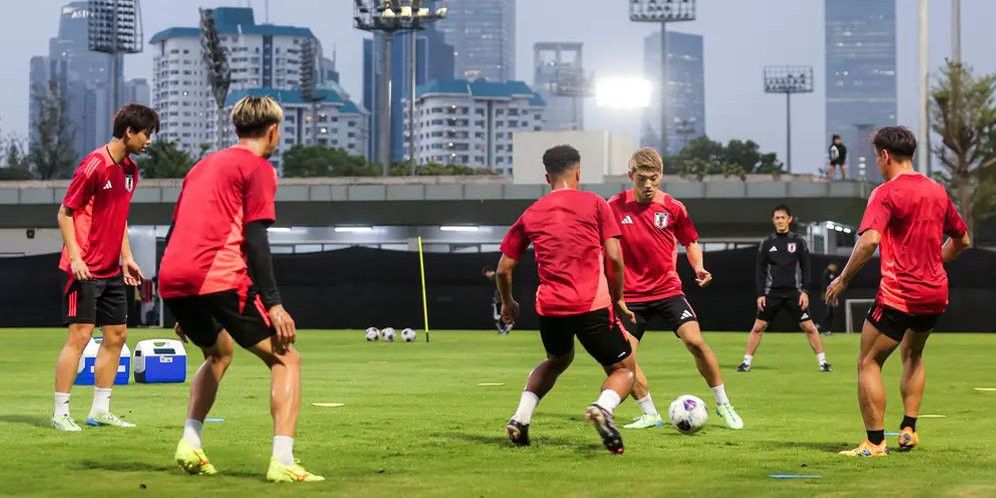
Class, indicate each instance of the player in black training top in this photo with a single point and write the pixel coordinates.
(503, 328)
(783, 282)
(837, 154)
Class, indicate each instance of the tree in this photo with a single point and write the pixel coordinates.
(16, 164)
(320, 161)
(165, 159)
(964, 115)
(438, 169)
(52, 152)
(703, 156)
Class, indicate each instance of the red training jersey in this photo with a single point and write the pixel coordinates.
(650, 237)
(99, 196)
(221, 194)
(567, 228)
(912, 213)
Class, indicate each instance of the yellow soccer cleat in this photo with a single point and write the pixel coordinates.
(867, 449)
(192, 460)
(279, 472)
(908, 439)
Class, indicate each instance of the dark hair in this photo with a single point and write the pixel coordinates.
(560, 159)
(835, 137)
(898, 140)
(137, 117)
(781, 207)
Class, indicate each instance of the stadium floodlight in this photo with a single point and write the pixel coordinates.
(623, 93)
(663, 12)
(353, 229)
(384, 18)
(574, 83)
(219, 73)
(279, 229)
(115, 28)
(460, 228)
(788, 80)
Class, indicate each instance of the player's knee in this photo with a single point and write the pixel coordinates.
(758, 329)
(696, 347)
(115, 336)
(561, 362)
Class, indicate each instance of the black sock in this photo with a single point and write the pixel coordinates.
(876, 437)
(908, 421)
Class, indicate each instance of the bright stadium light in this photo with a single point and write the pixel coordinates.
(623, 93)
(353, 229)
(460, 228)
(279, 229)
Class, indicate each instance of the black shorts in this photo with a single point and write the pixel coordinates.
(894, 323)
(203, 317)
(603, 341)
(674, 311)
(788, 301)
(100, 301)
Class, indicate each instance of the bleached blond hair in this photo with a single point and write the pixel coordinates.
(253, 115)
(646, 158)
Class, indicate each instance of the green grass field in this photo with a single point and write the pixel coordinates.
(417, 423)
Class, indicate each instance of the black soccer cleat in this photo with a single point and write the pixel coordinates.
(601, 420)
(826, 368)
(744, 367)
(518, 433)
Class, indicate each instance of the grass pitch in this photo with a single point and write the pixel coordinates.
(416, 422)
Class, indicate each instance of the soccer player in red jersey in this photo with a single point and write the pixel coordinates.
(574, 237)
(217, 278)
(906, 219)
(97, 262)
(653, 224)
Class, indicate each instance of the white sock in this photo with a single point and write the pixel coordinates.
(61, 404)
(101, 401)
(192, 429)
(821, 358)
(748, 358)
(527, 405)
(608, 400)
(283, 449)
(647, 406)
(719, 394)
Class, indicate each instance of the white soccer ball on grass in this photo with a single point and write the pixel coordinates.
(408, 335)
(372, 334)
(387, 334)
(688, 414)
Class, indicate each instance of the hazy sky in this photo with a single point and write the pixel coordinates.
(741, 36)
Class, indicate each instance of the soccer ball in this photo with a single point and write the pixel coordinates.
(387, 334)
(372, 334)
(688, 414)
(408, 335)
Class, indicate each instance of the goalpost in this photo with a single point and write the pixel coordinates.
(849, 310)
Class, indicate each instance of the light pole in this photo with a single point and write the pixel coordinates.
(219, 74)
(788, 80)
(115, 28)
(384, 18)
(663, 12)
(572, 82)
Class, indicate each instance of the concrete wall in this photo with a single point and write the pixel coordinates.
(602, 153)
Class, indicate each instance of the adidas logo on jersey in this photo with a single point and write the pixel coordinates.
(108, 186)
(627, 220)
(773, 249)
(686, 314)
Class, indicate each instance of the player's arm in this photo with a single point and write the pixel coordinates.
(760, 268)
(503, 280)
(617, 278)
(696, 259)
(863, 251)
(131, 270)
(688, 236)
(261, 269)
(804, 267)
(954, 246)
(68, 231)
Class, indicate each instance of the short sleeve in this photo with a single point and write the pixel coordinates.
(877, 213)
(84, 184)
(261, 191)
(954, 225)
(684, 229)
(607, 226)
(516, 241)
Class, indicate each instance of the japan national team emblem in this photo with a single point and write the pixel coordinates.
(660, 220)
(129, 183)
(791, 246)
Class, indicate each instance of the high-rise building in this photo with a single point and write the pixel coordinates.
(561, 81)
(686, 90)
(482, 33)
(259, 56)
(82, 77)
(471, 123)
(861, 75)
(340, 123)
(434, 61)
(137, 90)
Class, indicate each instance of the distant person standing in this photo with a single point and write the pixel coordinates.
(831, 272)
(838, 157)
(503, 328)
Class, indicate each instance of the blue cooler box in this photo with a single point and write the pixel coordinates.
(84, 371)
(159, 361)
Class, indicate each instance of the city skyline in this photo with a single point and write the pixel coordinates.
(734, 55)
